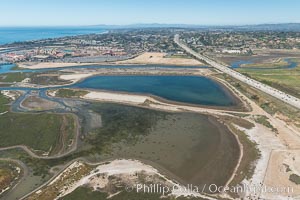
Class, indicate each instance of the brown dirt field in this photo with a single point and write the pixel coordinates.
(5, 178)
(36, 103)
(159, 58)
(281, 165)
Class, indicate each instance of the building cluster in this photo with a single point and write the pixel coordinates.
(241, 51)
(93, 47)
(12, 57)
(242, 42)
(48, 53)
(123, 44)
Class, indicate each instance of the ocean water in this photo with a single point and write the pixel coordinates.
(186, 89)
(18, 34)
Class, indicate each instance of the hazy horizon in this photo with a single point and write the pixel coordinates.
(146, 24)
(18, 13)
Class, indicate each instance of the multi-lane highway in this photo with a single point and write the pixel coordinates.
(291, 100)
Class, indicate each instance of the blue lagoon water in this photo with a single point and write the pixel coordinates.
(237, 64)
(6, 68)
(187, 89)
(19, 34)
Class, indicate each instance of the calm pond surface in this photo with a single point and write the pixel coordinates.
(187, 89)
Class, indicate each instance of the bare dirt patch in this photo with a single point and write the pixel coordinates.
(45, 65)
(36, 103)
(281, 166)
(159, 58)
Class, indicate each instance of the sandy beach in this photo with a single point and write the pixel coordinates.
(45, 65)
(74, 77)
(114, 97)
(154, 103)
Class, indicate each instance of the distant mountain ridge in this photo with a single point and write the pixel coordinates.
(258, 27)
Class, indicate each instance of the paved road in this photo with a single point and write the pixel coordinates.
(289, 99)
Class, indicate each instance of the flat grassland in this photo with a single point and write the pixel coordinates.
(3, 104)
(40, 132)
(14, 77)
(287, 80)
(68, 93)
(37, 131)
(279, 63)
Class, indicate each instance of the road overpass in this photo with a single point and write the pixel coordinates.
(289, 99)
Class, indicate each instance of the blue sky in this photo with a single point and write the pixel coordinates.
(93, 12)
